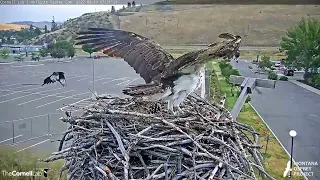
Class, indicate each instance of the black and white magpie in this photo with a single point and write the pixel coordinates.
(54, 77)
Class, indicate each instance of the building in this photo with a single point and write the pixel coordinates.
(21, 48)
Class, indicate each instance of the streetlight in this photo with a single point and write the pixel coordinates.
(293, 134)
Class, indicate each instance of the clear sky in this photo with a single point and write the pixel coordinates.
(11, 13)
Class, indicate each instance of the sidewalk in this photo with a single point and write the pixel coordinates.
(312, 89)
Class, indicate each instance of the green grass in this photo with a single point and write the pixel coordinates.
(276, 158)
(26, 161)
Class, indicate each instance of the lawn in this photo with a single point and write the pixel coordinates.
(275, 158)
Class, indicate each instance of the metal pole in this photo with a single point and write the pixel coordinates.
(48, 124)
(31, 127)
(12, 132)
(93, 76)
(291, 157)
(265, 151)
(203, 84)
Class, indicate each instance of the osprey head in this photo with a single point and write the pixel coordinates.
(227, 49)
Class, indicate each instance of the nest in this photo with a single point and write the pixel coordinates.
(124, 138)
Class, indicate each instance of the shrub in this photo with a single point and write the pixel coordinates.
(4, 53)
(272, 76)
(283, 78)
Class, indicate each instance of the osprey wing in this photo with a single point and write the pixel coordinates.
(146, 57)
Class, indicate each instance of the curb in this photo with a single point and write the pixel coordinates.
(279, 141)
(6, 62)
(305, 86)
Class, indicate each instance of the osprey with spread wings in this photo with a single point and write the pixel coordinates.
(166, 78)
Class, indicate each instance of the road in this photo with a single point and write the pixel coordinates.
(288, 107)
(22, 96)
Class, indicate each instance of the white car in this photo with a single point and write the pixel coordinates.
(277, 64)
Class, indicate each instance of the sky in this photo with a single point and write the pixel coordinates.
(8, 13)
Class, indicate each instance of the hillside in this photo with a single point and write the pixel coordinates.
(39, 24)
(98, 19)
(15, 27)
(196, 24)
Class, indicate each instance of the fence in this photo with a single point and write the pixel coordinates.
(19, 131)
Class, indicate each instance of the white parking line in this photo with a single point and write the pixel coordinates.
(101, 79)
(10, 138)
(62, 99)
(28, 95)
(33, 145)
(15, 92)
(127, 82)
(46, 60)
(115, 80)
(44, 97)
(28, 65)
(61, 109)
(39, 74)
(84, 78)
(78, 77)
(8, 85)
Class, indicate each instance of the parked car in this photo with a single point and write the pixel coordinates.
(96, 57)
(288, 72)
(277, 64)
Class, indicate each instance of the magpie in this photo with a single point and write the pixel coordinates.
(55, 76)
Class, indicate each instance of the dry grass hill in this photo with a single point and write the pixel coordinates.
(261, 25)
(15, 27)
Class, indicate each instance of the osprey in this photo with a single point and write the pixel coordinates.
(166, 78)
(54, 77)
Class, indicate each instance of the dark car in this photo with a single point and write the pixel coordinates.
(288, 72)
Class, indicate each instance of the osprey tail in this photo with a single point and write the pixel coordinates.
(147, 91)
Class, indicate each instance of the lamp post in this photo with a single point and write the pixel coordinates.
(293, 134)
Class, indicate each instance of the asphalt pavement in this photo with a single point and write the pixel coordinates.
(291, 107)
(36, 109)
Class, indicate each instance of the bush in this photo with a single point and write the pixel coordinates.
(265, 62)
(283, 78)
(272, 76)
(4, 53)
(224, 64)
(19, 57)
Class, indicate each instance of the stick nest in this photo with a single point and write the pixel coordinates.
(125, 138)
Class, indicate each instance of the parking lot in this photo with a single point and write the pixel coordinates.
(36, 109)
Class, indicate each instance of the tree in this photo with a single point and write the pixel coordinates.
(60, 49)
(37, 31)
(58, 53)
(300, 45)
(265, 62)
(113, 10)
(133, 4)
(4, 54)
(43, 52)
(45, 29)
(87, 48)
(71, 52)
(31, 28)
(129, 4)
(20, 57)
